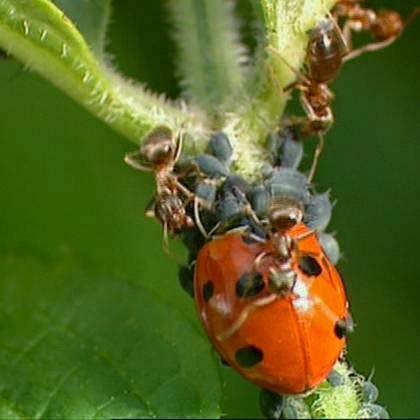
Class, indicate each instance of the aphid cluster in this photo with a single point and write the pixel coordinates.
(261, 266)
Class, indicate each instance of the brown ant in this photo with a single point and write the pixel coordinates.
(329, 47)
(324, 59)
(159, 153)
(385, 26)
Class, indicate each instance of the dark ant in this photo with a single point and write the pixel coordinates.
(386, 26)
(324, 59)
(159, 153)
(328, 48)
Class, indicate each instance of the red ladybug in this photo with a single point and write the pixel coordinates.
(274, 308)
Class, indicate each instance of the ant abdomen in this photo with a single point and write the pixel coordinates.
(325, 52)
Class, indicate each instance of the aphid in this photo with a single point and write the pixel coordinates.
(159, 153)
(275, 308)
(385, 26)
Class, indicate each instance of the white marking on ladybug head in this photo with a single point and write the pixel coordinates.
(302, 301)
(221, 305)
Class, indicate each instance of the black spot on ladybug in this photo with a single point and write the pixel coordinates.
(310, 266)
(249, 285)
(343, 327)
(208, 290)
(248, 357)
(249, 240)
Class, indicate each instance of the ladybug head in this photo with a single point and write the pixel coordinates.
(158, 148)
(284, 213)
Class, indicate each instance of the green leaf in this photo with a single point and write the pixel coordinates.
(40, 36)
(91, 18)
(80, 344)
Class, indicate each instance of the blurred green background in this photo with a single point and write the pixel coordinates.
(64, 185)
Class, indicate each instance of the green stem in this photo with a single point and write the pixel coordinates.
(283, 45)
(39, 35)
(209, 51)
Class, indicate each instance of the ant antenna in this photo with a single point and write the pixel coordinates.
(198, 219)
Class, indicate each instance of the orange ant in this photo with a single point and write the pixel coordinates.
(159, 153)
(385, 26)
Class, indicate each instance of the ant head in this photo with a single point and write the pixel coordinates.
(284, 213)
(158, 148)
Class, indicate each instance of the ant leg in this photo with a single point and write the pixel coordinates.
(412, 16)
(178, 147)
(165, 239)
(132, 160)
(307, 107)
(198, 219)
(374, 46)
(243, 316)
(301, 78)
(150, 210)
(184, 190)
(315, 161)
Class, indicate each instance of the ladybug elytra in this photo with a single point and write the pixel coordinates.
(275, 308)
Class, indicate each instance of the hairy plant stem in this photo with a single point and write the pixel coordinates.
(39, 35)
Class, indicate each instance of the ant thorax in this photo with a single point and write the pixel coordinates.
(283, 246)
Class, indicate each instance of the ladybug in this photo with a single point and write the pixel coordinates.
(274, 307)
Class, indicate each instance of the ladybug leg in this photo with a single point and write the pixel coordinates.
(245, 313)
(271, 404)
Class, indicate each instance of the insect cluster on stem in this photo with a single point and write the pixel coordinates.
(261, 265)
